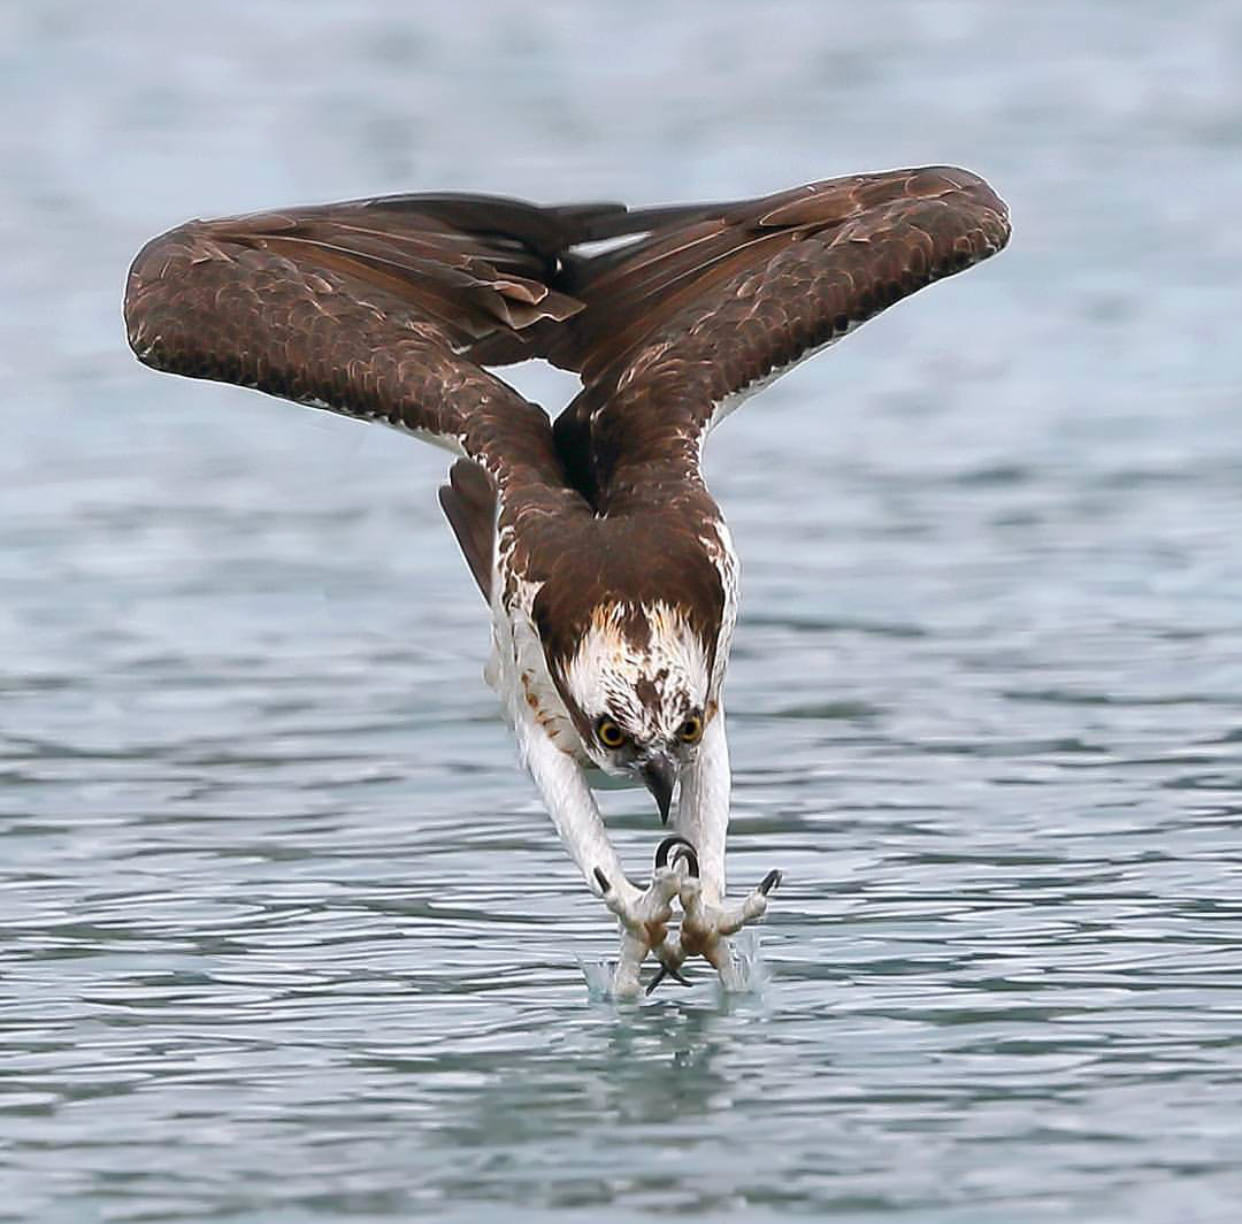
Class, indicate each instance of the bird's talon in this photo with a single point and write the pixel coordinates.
(771, 882)
(667, 970)
(644, 916)
(680, 851)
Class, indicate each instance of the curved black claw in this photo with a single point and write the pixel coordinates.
(663, 972)
(771, 881)
(681, 851)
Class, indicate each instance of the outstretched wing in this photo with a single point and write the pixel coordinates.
(368, 308)
(388, 309)
(707, 308)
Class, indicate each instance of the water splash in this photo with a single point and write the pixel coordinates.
(745, 949)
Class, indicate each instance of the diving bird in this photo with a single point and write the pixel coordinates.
(608, 568)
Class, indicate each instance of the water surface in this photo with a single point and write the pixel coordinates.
(285, 935)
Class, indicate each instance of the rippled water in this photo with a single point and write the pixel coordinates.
(284, 934)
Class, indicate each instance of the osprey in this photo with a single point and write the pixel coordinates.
(609, 570)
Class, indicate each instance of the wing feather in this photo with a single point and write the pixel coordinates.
(724, 297)
(365, 308)
(387, 309)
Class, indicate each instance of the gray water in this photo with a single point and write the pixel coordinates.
(284, 933)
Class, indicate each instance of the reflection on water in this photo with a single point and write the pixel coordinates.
(283, 931)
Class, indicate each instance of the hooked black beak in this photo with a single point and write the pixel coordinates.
(660, 776)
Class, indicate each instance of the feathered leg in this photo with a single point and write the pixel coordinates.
(703, 819)
(643, 914)
(702, 815)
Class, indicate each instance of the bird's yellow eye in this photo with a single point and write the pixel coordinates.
(610, 735)
(691, 731)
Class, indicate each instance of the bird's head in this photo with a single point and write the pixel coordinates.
(637, 687)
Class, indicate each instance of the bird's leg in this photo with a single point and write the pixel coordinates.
(703, 817)
(702, 814)
(643, 914)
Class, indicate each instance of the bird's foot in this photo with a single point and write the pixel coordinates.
(644, 915)
(706, 927)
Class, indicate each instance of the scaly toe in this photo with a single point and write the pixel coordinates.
(644, 917)
(705, 928)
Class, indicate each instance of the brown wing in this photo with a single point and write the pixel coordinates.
(367, 308)
(386, 309)
(726, 296)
